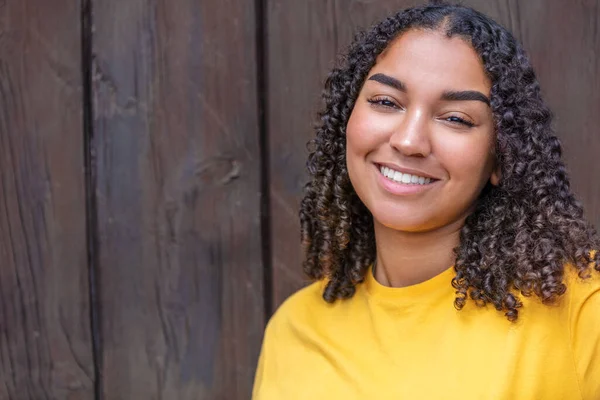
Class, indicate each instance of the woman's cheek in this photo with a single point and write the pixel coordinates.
(367, 129)
(465, 155)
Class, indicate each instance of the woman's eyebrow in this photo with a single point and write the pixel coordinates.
(389, 81)
(451, 95)
(465, 95)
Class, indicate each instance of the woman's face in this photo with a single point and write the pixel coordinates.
(420, 139)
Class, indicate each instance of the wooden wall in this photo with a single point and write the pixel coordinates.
(152, 159)
(45, 336)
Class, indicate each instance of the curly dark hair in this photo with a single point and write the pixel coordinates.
(521, 233)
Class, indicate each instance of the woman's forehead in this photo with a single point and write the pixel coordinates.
(431, 58)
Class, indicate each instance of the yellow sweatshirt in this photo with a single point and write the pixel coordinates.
(411, 343)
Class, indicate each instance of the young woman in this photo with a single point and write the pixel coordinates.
(451, 259)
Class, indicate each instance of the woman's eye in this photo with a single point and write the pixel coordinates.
(458, 120)
(383, 102)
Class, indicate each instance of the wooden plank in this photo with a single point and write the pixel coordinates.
(45, 340)
(562, 38)
(177, 144)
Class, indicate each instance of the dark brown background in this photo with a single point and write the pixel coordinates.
(152, 158)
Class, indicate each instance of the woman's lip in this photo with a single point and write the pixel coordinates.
(399, 188)
(405, 170)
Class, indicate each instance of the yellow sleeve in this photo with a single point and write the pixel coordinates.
(267, 370)
(279, 340)
(585, 335)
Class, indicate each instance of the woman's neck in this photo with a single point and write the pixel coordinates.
(408, 258)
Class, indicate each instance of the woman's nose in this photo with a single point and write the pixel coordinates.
(411, 135)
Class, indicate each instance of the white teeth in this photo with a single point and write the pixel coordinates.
(404, 178)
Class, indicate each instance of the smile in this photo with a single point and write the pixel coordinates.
(405, 178)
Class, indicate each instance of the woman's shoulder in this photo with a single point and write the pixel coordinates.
(581, 290)
(582, 296)
(301, 305)
(307, 314)
(583, 302)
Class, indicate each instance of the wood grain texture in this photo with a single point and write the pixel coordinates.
(176, 138)
(45, 341)
(562, 39)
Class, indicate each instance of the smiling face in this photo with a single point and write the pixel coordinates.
(420, 139)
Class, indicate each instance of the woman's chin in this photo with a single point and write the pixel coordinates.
(412, 223)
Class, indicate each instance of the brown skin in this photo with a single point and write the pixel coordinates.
(416, 129)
